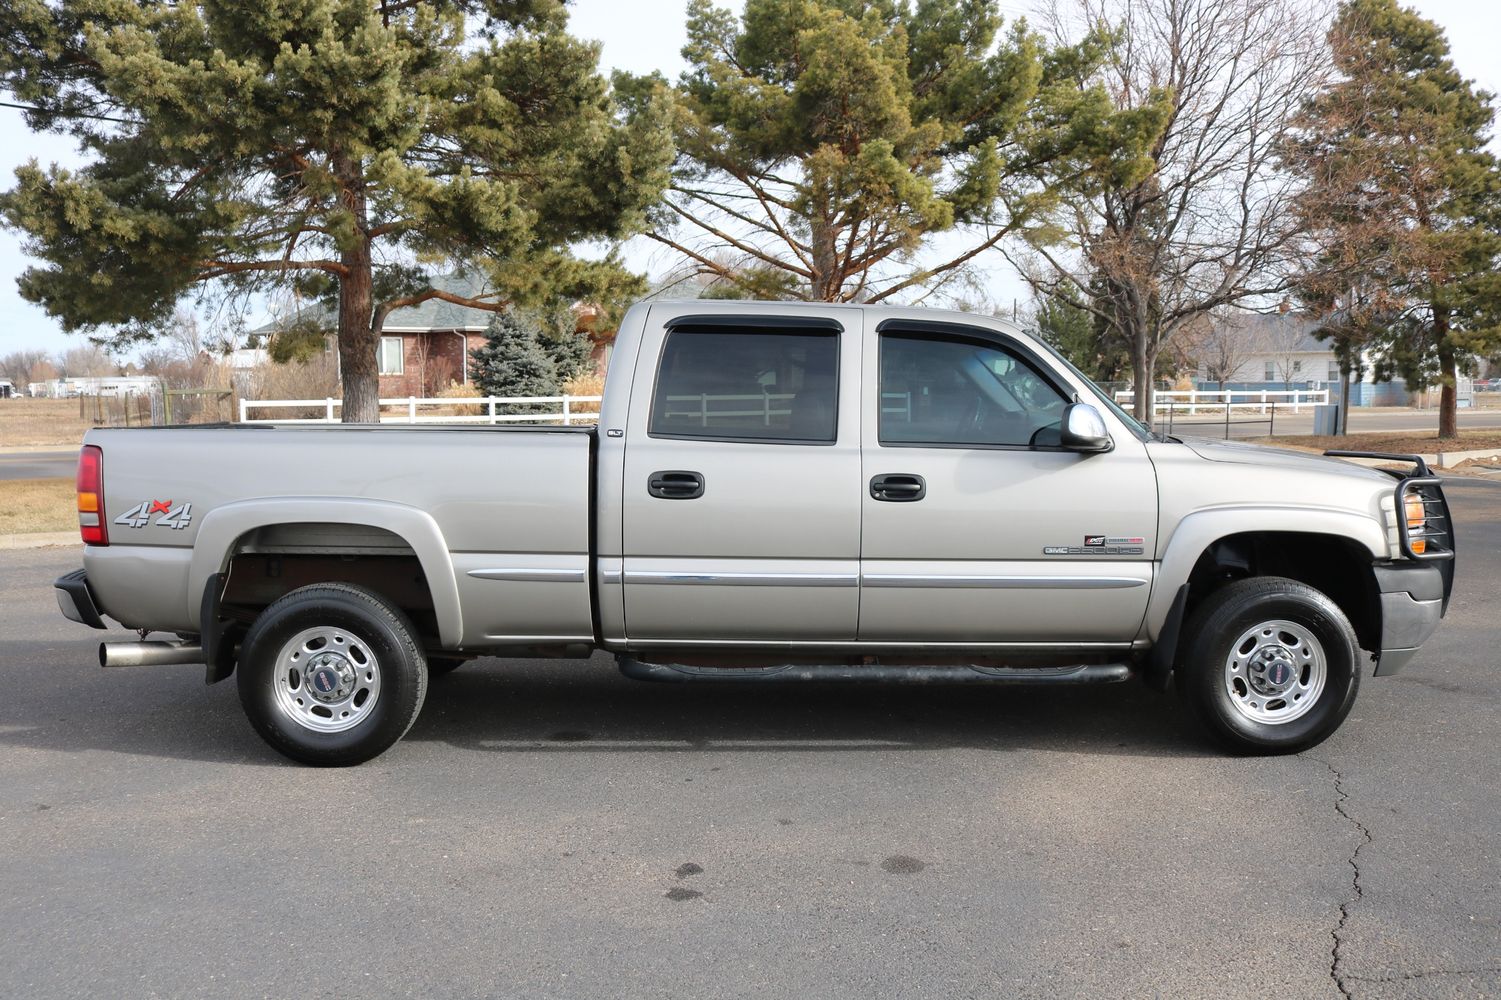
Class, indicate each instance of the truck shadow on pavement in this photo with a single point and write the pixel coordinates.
(491, 706)
(532, 707)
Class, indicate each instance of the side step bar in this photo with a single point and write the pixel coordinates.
(1092, 673)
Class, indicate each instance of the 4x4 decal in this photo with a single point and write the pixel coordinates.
(175, 517)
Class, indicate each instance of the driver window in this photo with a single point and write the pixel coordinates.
(944, 391)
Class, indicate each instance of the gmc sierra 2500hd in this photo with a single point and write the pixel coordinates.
(774, 492)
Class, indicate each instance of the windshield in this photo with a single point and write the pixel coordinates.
(1135, 426)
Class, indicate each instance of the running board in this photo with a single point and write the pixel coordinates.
(674, 673)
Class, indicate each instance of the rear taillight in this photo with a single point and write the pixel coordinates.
(91, 496)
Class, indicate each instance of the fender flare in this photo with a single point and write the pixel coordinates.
(1201, 529)
(223, 526)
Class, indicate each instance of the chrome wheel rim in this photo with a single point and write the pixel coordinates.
(326, 680)
(1275, 672)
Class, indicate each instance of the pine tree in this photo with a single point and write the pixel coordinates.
(824, 142)
(569, 347)
(354, 149)
(514, 362)
(1403, 202)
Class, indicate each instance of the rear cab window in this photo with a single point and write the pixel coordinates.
(747, 383)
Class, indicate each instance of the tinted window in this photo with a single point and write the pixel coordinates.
(961, 392)
(747, 384)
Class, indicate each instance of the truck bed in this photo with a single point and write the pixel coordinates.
(509, 506)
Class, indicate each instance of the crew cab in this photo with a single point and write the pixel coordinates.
(774, 492)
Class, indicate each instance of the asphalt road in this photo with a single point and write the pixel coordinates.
(1386, 420)
(553, 830)
(38, 464)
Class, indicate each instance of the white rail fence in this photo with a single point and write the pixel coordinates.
(566, 410)
(1217, 400)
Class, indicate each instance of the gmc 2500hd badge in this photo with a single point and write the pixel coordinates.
(1098, 545)
(140, 515)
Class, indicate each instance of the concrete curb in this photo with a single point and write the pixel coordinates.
(1454, 457)
(39, 539)
(1443, 458)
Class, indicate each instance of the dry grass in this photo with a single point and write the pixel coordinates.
(585, 384)
(31, 505)
(1406, 444)
(30, 422)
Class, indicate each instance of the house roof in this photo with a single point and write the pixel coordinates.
(434, 314)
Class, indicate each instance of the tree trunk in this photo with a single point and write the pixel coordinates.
(1448, 403)
(827, 282)
(1143, 363)
(1448, 398)
(359, 341)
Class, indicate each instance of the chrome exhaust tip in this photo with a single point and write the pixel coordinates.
(148, 654)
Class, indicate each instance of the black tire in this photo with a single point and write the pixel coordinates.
(371, 621)
(1228, 614)
(437, 666)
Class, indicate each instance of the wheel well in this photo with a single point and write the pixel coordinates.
(273, 560)
(1338, 567)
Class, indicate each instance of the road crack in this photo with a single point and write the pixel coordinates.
(1357, 890)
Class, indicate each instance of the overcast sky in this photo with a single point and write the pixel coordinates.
(638, 36)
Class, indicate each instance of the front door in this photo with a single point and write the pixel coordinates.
(742, 478)
(976, 527)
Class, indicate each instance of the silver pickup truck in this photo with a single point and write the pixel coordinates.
(775, 492)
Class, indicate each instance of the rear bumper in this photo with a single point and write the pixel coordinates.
(76, 601)
(1413, 601)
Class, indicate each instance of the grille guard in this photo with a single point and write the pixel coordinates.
(1438, 523)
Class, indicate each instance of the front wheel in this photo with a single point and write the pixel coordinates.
(332, 675)
(1269, 666)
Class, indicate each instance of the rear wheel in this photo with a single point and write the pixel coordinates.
(1269, 665)
(331, 675)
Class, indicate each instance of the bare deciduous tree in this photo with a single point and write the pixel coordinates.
(1218, 345)
(22, 368)
(1210, 226)
(85, 360)
(183, 336)
(1283, 340)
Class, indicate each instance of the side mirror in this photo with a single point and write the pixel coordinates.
(1084, 429)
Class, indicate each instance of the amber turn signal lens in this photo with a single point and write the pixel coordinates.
(1414, 510)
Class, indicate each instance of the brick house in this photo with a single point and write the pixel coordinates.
(425, 348)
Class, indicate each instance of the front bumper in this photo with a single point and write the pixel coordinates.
(1414, 597)
(76, 601)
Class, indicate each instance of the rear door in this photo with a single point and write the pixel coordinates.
(741, 515)
(977, 529)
